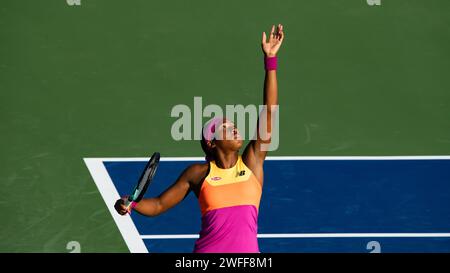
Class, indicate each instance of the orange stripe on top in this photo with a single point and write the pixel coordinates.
(229, 187)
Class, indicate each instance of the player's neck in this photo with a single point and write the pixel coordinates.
(226, 160)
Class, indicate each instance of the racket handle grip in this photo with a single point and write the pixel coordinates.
(130, 205)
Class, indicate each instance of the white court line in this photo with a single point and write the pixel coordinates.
(313, 235)
(421, 157)
(110, 195)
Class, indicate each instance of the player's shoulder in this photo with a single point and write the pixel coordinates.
(198, 169)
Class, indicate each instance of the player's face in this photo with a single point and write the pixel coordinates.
(228, 137)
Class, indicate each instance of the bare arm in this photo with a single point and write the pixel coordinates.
(254, 154)
(169, 198)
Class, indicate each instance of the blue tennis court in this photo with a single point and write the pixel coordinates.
(350, 204)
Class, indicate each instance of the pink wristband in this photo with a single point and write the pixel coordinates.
(270, 63)
(132, 205)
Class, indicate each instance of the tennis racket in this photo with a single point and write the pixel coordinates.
(145, 180)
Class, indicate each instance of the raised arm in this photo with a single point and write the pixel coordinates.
(169, 198)
(255, 152)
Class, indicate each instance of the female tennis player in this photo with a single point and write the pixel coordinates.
(228, 186)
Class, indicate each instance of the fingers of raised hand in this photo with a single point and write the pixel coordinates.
(281, 32)
(272, 33)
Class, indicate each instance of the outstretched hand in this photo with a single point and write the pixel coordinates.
(276, 37)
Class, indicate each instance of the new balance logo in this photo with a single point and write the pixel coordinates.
(241, 173)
